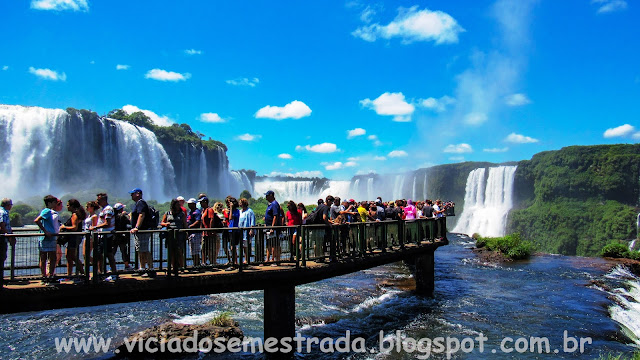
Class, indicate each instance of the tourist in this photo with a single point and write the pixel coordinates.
(106, 224)
(210, 243)
(194, 221)
(247, 219)
(233, 210)
(334, 211)
(294, 218)
(5, 228)
(427, 210)
(302, 210)
(380, 214)
(74, 224)
(91, 220)
(47, 244)
(55, 212)
(363, 211)
(122, 241)
(175, 219)
(141, 220)
(184, 209)
(419, 207)
(222, 238)
(272, 218)
(410, 211)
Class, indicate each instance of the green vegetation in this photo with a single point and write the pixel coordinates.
(574, 200)
(634, 356)
(245, 194)
(512, 246)
(222, 319)
(616, 249)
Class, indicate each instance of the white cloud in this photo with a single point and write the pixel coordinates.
(5, 68)
(475, 118)
(517, 100)
(355, 132)
(622, 130)
(636, 136)
(48, 74)
(374, 138)
(285, 156)
(122, 67)
(163, 75)
(610, 5)
(496, 150)
(244, 82)
(324, 148)
(350, 164)
(193, 52)
(379, 158)
(414, 25)
(397, 153)
(248, 137)
(392, 104)
(295, 110)
(60, 5)
(438, 105)
(332, 166)
(211, 118)
(366, 172)
(300, 174)
(157, 119)
(456, 158)
(520, 139)
(354, 158)
(458, 149)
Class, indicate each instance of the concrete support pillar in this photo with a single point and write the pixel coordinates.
(425, 269)
(280, 314)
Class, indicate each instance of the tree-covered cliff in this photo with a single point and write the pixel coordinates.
(574, 200)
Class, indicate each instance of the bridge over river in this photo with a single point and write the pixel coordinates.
(320, 252)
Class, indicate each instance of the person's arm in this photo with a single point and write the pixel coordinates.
(138, 223)
(38, 222)
(164, 220)
(196, 224)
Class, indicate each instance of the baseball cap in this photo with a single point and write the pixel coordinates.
(136, 190)
(204, 198)
(270, 192)
(351, 200)
(191, 201)
(119, 206)
(180, 198)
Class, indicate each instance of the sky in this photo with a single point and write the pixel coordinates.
(339, 88)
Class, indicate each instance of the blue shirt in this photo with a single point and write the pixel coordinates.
(47, 222)
(195, 215)
(234, 219)
(4, 218)
(273, 210)
(247, 219)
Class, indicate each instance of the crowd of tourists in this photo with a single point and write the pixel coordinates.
(114, 227)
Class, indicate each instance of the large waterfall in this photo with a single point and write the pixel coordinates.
(51, 151)
(305, 191)
(487, 201)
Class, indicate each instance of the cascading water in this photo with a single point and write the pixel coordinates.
(51, 151)
(486, 206)
(305, 191)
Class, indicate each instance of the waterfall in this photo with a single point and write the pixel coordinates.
(487, 202)
(370, 190)
(305, 191)
(337, 188)
(397, 187)
(50, 151)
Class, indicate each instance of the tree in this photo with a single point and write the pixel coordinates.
(245, 195)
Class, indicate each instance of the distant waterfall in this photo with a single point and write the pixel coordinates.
(487, 201)
(50, 151)
(305, 191)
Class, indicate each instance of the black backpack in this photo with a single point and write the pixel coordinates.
(154, 218)
(315, 217)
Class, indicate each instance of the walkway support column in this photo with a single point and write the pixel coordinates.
(280, 315)
(425, 269)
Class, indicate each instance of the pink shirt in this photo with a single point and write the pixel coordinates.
(410, 212)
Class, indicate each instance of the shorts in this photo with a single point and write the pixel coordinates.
(195, 243)
(104, 242)
(142, 242)
(47, 244)
(293, 231)
(234, 237)
(74, 241)
(4, 246)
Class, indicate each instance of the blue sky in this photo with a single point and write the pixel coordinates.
(339, 88)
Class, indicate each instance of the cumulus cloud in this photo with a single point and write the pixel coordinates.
(244, 82)
(438, 105)
(300, 174)
(379, 158)
(520, 139)
(412, 25)
(620, 131)
(354, 158)
(285, 156)
(193, 52)
(60, 5)
(48, 74)
(157, 119)
(324, 148)
(391, 104)
(374, 138)
(475, 118)
(163, 75)
(355, 132)
(294, 110)
(248, 137)
(211, 118)
(496, 150)
(517, 100)
(122, 67)
(607, 6)
(458, 149)
(397, 153)
(332, 166)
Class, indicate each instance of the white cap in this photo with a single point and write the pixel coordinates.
(191, 201)
(180, 198)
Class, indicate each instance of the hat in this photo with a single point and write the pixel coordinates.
(378, 201)
(204, 198)
(270, 192)
(191, 201)
(119, 206)
(180, 198)
(351, 200)
(136, 190)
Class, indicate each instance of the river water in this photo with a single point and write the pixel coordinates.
(541, 297)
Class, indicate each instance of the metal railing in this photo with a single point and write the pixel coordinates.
(173, 250)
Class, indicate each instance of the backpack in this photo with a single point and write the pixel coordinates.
(315, 217)
(154, 218)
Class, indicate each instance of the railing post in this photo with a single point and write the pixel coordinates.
(332, 244)
(303, 247)
(401, 233)
(87, 255)
(94, 241)
(240, 237)
(363, 239)
(160, 251)
(12, 271)
(169, 239)
(297, 245)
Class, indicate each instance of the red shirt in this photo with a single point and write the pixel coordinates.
(294, 219)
